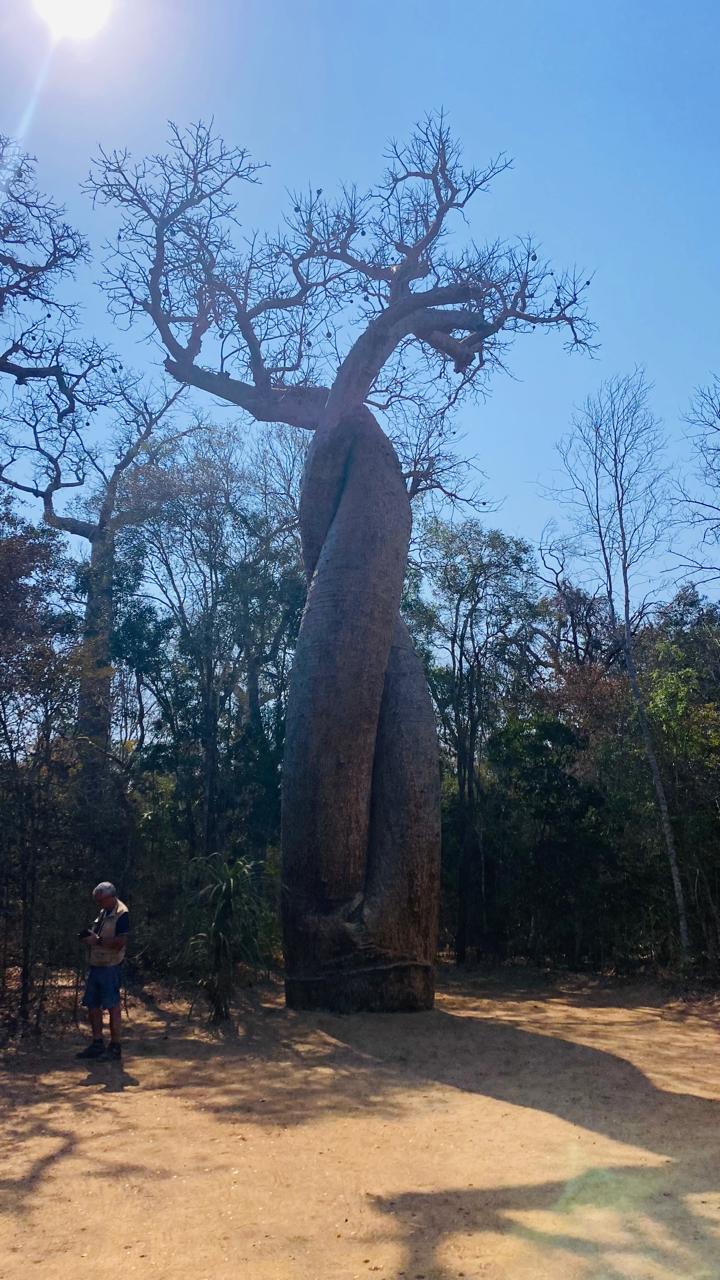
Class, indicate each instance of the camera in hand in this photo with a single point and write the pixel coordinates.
(83, 934)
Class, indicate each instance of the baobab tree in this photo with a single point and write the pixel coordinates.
(117, 469)
(357, 308)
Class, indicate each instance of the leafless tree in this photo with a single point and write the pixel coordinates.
(576, 626)
(39, 251)
(700, 499)
(358, 306)
(618, 490)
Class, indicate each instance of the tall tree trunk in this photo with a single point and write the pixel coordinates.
(210, 762)
(4, 946)
(361, 781)
(97, 797)
(467, 852)
(94, 700)
(462, 929)
(659, 786)
(259, 819)
(27, 922)
(488, 893)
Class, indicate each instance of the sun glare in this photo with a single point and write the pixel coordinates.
(74, 19)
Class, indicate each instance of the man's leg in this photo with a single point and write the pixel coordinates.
(113, 1004)
(115, 1025)
(95, 1016)
(92, 1001)
(96, 1048)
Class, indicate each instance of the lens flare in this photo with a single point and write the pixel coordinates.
(74, 19)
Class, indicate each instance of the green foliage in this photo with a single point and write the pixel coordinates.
(240, 927)
(546, 831)
(551, 842)
(551, 845)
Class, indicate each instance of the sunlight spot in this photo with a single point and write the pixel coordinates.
(74, 19)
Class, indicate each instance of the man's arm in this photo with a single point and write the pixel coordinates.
(110, 944)
(122, 929)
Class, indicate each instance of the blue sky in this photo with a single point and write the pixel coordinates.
(609, 110)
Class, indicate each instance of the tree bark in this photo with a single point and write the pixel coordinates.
(94, 698)
(27, 925)
(463, 909)
(97, 796)
(361, 783)
(210, 759)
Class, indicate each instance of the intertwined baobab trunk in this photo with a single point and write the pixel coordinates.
(360, 779)
(361, 832)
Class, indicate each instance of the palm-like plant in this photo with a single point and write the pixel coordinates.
(239, 927)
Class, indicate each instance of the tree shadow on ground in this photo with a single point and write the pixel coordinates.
(284, 1070)
(673, 1000)
(589, 1088)
(17, 1188)
(670, 1241)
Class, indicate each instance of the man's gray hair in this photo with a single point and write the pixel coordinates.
(105, 887)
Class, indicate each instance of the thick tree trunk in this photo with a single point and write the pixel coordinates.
(361, 785)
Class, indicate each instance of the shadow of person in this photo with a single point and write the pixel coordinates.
(588, 1088)
(109, 1077)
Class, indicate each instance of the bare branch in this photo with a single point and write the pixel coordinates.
(47, 456)
(38, 251)
(276, 314)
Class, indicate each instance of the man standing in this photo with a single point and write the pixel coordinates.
(106, 942)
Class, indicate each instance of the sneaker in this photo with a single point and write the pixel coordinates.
(115, 1052)
(96, 1049)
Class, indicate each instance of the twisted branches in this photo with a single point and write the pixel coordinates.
(350, 295)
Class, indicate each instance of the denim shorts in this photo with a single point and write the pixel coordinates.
(102, 989)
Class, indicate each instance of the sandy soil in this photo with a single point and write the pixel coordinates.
(523, 1130)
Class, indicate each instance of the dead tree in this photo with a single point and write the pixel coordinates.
(357, 307)
(618, 491)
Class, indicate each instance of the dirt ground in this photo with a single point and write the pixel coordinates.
(524, 1130)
